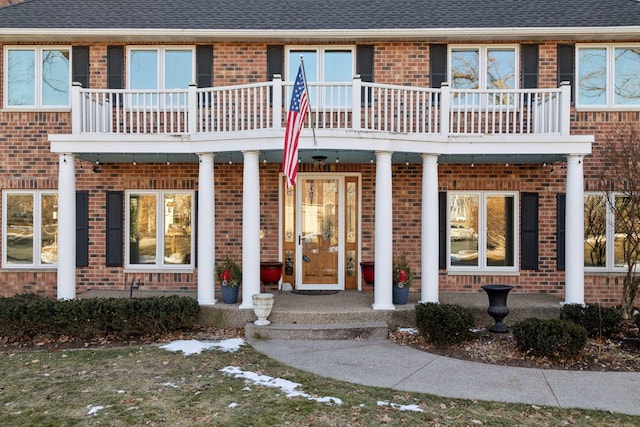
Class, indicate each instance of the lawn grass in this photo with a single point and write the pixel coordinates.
(147, 385)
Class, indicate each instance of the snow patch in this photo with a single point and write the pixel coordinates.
(286, 386)
(93, 410)
(414, 408)
(189, 347)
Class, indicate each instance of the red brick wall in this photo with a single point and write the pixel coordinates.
(26, 162)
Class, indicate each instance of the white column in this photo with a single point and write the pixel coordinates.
(250, 228)
(574, 232)
(430, 232)
(383, 290)
(206, 231)
(66, 226)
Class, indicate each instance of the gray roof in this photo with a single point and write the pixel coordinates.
(317, 14)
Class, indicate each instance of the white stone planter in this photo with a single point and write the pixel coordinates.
(262, 305)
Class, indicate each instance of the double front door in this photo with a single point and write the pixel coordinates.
(321, 214)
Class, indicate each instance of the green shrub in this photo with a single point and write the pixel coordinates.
(444, 324)
(25, 317)
(597, 320)
(552, 338)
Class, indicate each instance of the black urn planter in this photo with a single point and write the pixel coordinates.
(498, 305)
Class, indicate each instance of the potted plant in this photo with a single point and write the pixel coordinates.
(402, 279)
(230, 275)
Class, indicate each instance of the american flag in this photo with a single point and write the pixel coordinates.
(295, 120)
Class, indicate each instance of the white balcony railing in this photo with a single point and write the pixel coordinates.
(352, 105)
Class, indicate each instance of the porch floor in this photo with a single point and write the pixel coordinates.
(352, 307)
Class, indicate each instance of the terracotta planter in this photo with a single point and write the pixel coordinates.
(270, 272)
(368, 272)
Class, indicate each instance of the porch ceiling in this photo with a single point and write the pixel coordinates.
(330, 156)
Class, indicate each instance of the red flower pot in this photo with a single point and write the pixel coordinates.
(368, 272)
(270, 272)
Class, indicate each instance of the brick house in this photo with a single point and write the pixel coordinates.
(145, 143)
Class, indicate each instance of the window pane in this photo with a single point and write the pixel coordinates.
(337, 67)
(500, 232)
(21, 77)
(595, 231)
(592, 76)
(311, 71)
(464, 69)
(142, 229)
(501, 69)
(55, 77)
(463, 232)
(49, 226)
(626, 224)
(19, 229)
(627, 74)
(143, 69)
(177, 229)
(178, 69)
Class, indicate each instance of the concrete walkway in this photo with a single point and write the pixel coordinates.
(367, 362)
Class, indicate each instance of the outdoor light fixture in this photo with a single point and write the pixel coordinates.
(319, 160)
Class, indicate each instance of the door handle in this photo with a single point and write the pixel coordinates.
(299, 239)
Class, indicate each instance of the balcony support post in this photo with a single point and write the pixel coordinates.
(574, 232)
(356, 108)
(383, 291)
(430, 221)
(192, 112)
(565, 108)
(250, 228)
(276, 98)
(445, 108)
(206, 230)
(76, 108)
(66, 226)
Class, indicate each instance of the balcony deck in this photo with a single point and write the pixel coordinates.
(362, 116)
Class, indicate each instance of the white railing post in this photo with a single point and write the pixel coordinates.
(76, 108)
(565, 108)
(356, 97)
(192, 109)
(276, 101)
(445, 108)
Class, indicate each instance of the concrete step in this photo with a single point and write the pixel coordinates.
(329, 331)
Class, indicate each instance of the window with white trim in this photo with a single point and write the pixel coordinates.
(604, 240)
(30, 229)
(159, 228)
(330, 65)
(483, 67)
(482, 231)
(608, 76)
(37, 77)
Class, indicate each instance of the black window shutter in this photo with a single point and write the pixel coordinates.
(275, 65)
(529, 66)
(566, 65)
(364, 62)
(80, 65)
(275, 61)
(82, 228)
(561, 216)
(364, 67)
(204, 66)
(115, 211)
(442, 230)
(529, 231)
(115, 67)
(438, 63)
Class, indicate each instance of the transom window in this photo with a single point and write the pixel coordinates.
(324, 65)
(159, 228)
(608, 76)
(30, 229)
(604, 240)
(37, 77)
(482, 231)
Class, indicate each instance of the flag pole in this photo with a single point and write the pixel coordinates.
(304, 77)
